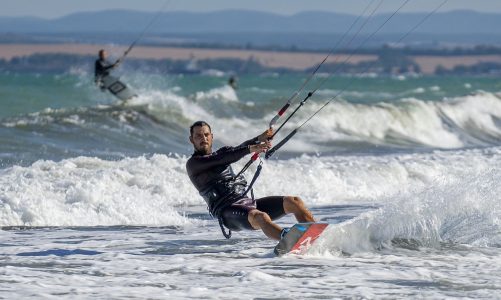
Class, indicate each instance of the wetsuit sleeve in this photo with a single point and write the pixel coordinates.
(224, 156)
(107, 66)
(101, 67)
(252, 141)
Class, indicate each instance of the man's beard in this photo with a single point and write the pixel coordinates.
(204, 149)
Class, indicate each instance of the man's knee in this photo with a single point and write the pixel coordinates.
(257, 217)
(293, 201)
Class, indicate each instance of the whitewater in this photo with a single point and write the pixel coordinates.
(95, 201)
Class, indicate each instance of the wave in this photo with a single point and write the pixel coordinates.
(472, 120)
(86, 191)
(158, 121)
(450, 212)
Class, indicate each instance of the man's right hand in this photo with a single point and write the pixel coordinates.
(260, 148)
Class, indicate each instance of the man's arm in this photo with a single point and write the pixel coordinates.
(224, 156)
(111, 66)
(263, 137)
(105, 65)
(252, 141)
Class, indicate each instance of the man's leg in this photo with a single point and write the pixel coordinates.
(294, 205)
(261, 220)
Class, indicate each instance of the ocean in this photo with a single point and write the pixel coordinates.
(95, 202)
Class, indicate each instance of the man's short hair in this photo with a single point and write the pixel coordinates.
(101, 52)
(197, 124)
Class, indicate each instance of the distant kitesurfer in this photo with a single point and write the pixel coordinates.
(233, 82)
(102, 67)
(212, 175)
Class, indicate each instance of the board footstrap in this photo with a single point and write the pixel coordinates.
(299, 238)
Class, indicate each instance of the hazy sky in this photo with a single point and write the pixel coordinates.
(57, 8)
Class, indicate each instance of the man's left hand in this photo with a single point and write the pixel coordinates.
(265, 136)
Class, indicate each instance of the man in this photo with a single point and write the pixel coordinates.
(102, 67)
(232, 81)
(212, 175)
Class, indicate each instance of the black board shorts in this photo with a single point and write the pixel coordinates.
(235, 216)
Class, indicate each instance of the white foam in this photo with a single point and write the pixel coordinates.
(475, 112)
(349, 179)
(214, 73)
(415, 122)
(400, 77)
(169, 106)
(225, 93)
(356, 94)
(261, 90)
(153, 191)
(89, 191)
(419, 90)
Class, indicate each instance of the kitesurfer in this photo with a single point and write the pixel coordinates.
(224, 192)
(102, 67)
(232, 81)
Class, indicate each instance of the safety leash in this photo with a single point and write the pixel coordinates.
(226, 235)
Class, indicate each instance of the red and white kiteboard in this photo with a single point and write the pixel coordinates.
(300, 238)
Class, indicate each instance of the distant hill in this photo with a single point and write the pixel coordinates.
(265, 28)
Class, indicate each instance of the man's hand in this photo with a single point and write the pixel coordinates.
(265, 136)
(116, 63)
(260, 148)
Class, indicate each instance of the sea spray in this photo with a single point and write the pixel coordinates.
(455, 211)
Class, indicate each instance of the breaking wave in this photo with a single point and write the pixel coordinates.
(421, 194)
(161, 119)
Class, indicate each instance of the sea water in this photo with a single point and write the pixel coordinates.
(95, 201)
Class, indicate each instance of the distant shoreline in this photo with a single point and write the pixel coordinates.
(290, 60)
(272, 59)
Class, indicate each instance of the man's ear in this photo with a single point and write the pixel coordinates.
(191, 140)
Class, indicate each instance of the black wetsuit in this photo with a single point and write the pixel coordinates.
(216, 182)
(101, 69)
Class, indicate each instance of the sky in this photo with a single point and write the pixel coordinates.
(56, 8)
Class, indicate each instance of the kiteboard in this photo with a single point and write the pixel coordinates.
(300, 238)
(117, 88)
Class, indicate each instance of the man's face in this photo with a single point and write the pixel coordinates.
(202, 139)
(103, 55)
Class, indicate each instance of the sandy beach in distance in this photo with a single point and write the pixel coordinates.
(291, 60)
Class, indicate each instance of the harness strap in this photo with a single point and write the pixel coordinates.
(226, 235)
(254, 178)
